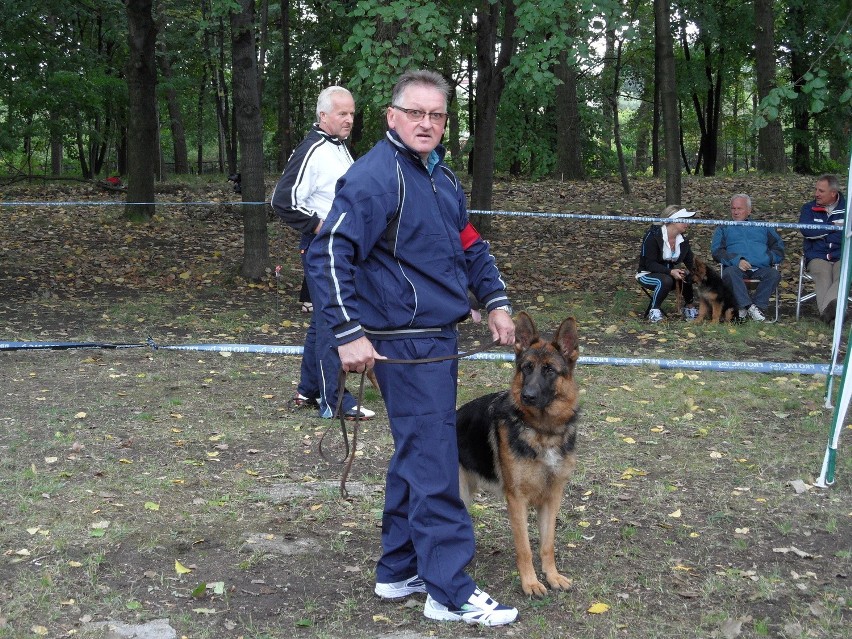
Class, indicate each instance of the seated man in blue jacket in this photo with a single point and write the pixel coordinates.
(822, 248)
(748, 252)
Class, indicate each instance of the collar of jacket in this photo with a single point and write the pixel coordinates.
(838, 203)
(393, 138)
(331, 138)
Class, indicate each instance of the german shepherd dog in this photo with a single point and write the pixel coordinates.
(521, 442)
(714, 298)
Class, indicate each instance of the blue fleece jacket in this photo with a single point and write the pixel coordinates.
(759, 245)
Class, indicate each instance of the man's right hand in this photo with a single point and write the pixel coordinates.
(358, 356)
(745, 265)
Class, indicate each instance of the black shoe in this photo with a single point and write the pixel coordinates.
(830, 311)
(300, 401)
(361, 415)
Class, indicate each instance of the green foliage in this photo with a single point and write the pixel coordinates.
(390, 37)
(526, 135)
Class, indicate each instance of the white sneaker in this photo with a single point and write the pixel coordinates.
(655, 315)
(690, 313)
(755, 314)
(480, 608)
(742, 313)
(400, 589)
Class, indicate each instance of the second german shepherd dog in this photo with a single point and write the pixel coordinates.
(715, 300)
(521, 442)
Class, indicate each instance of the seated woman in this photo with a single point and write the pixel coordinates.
(663, 247)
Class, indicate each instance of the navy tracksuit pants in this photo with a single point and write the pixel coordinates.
(320, 361)
(426, 529)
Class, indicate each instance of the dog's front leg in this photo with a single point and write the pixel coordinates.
(547, 531)
(518, 516)
(717, 312)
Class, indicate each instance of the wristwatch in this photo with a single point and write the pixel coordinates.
(505, 307)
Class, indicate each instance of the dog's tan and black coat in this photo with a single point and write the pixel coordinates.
(521, 442)
(715, 300)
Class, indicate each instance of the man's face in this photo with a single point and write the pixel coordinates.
(740, 209)
(339, 121)
(823, 195)
(425, 135)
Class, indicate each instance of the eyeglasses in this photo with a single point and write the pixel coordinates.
(416, 115)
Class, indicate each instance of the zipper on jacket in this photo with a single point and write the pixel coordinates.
(434, 188)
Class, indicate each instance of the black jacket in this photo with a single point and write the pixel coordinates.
(651, 253)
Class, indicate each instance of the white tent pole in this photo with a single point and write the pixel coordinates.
(826, 477)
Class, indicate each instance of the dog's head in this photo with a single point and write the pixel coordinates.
(544, 370)
(699, 271)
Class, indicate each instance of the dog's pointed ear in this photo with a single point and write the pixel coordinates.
(525, 331)
(566, 341)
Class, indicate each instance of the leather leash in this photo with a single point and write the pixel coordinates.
(349, 455)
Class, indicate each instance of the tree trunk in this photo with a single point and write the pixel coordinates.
(85, 171)
(655, 123)
(249, 128)
(121, 150)
(683, 156)
(569, 159)
(491, 61)
(770, 138)
(608, 128)
(142, 110)
(181, 158)
(644, 117)
(452, 143)
(55, 153)
(263, 43)
(285, 134)
(616, 125)
(714, 107)
(199, 121)
(227, 153)
(668, 98)
(801, 116)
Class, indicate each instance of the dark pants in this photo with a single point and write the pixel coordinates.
(320, 361)
(769, 278)
(660, 285)
(426, 528)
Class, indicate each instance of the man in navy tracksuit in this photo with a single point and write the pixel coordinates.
(822, 248)
(302, 199)
(394, 262)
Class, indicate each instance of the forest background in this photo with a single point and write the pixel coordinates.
(149, 90)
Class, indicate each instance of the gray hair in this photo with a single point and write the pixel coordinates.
(831, 180)
(421, 78)
(742, 196)
(324, 99)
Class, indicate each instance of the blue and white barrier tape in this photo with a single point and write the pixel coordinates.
(566, 216)
(801, 368)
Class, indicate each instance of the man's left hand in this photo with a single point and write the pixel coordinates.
(502, 327)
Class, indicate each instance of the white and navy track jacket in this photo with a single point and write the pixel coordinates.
(305, 190)
(397, 255)
(825, 245)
